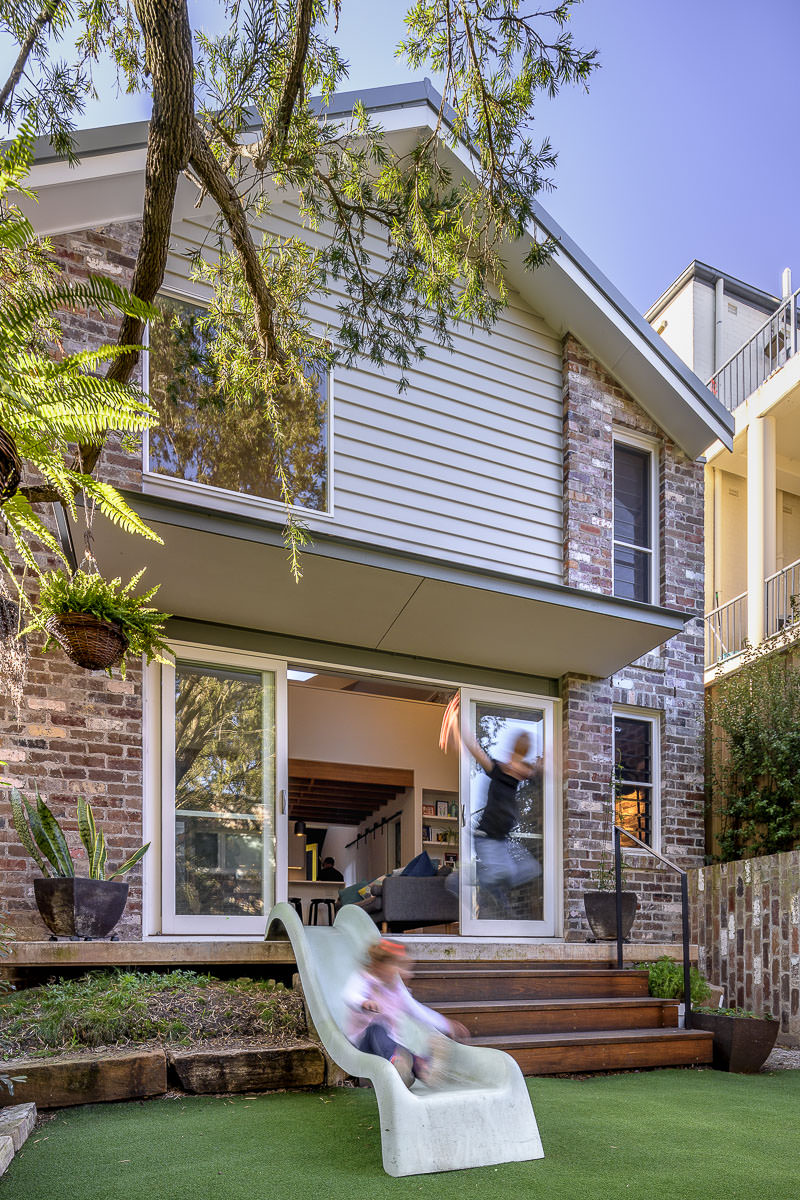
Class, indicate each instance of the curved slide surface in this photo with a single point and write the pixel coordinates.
(484, 1118)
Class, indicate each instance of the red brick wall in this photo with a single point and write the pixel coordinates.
(669, 680)
(78, 733)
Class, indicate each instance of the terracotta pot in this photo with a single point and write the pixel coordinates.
(741, 1044)
(88, 641)
(601, 913)
(79, 907)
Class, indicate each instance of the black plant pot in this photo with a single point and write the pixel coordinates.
(741, 1044)
(601, 913)
(78, 907)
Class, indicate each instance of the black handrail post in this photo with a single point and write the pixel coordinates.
(687, 976)
(618, 886)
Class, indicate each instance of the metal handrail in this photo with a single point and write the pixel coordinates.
(619, 833)
(756, 360)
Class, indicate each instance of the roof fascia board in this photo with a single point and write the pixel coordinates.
(189, 516)
(735, 288)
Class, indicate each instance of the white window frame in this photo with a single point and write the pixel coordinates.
(160, 915)
(639, 441)
(169, 487)
(653, 718)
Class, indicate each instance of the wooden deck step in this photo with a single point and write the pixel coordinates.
(491, 1017)
(610, 1050)
(433, 985)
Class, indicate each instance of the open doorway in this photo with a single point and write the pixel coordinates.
(366, 777)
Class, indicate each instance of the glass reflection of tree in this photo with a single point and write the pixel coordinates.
(212, 431)
(218, 769)
(218, 741)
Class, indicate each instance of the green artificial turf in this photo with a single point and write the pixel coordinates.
(679, 1134)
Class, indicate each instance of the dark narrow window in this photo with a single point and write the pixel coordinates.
(634, 776)
(633, 523)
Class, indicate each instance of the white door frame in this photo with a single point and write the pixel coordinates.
(552, 921)
(275, 850)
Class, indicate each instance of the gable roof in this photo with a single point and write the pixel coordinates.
(569, 291)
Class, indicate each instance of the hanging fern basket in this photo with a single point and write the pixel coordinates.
(87, 641)
(10, 466)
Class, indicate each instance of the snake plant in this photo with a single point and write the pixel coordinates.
(44, 840)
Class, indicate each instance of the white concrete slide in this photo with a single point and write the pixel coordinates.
(483, 1119)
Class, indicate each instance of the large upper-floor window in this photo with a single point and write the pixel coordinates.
(210, 437)
(635, 539)
(636, 773)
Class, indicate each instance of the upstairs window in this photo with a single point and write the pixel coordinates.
(206, 439)
(636, 774)
(634, 525)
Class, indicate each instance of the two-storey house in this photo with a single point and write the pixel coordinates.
(522, 526)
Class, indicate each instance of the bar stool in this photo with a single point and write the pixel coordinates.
(313, 911)
(297, 905)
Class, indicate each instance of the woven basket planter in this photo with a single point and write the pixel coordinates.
(88, 641)
(10, 466)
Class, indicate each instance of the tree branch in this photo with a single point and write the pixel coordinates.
(168, 56)
(218, 185)
(294, 76)
(40, 23)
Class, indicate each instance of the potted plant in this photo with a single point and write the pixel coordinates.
(99, 622)
(600, 902)
(71, 905)
(742, 1039)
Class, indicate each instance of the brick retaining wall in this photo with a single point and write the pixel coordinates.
(746, 923)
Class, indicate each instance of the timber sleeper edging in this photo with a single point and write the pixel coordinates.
(105, 1075)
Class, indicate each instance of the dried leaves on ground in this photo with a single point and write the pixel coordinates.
(124, 1008)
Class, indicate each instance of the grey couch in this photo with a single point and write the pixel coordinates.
(412, 901)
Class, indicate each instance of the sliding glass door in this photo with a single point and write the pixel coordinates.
(510, 885)
(223, 791)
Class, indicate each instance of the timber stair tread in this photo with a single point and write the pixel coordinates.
(589, 1002)
(594, 1036)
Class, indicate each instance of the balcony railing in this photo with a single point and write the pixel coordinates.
(782, 599)
(768, 349)
(726, 630)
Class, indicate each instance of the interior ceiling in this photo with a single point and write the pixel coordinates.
(341, 793)
(372, 685)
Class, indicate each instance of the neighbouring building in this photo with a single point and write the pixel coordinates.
(524, 525)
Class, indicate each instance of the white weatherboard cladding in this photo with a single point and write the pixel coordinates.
(465, 465)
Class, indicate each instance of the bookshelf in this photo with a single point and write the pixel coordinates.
(440, 825)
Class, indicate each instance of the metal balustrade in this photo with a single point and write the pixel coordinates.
(768, 349)
(726, 630)
(782, 599)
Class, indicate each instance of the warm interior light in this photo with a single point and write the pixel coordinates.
(300, 676)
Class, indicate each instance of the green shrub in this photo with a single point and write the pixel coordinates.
(665, 980)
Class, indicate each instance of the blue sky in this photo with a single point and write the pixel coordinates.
(685, 146)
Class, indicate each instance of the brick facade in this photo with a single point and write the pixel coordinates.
(78, 733)
(669, 680)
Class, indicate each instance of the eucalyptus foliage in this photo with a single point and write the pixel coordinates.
(50, 401)
(43, 839)
(405, 242)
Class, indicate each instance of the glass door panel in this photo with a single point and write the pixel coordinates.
(220, 777)
(509, 885)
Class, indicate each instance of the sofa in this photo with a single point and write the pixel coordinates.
(403, 902)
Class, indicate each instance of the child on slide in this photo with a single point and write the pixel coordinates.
(380, 1007)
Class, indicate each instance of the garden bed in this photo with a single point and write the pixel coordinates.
(116, 1035)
